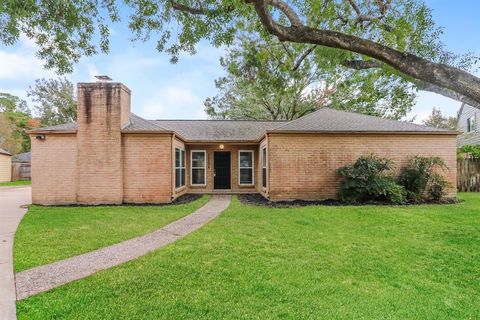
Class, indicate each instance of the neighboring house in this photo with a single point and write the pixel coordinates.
(5, 166)
(21, 166)
(468, 117)
(113, 156)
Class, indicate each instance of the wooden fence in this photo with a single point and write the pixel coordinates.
(21, 171)
(468, 175)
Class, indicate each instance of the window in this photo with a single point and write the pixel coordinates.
(264, 167)
(179, 168)
(198, 167)
(471, 125)
(245, 167)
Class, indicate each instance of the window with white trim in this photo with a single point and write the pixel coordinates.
(198, 164)
(471, 125)
(179, 168)
(245, 167)
(264, 167)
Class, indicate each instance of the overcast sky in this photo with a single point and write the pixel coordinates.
(161, 90)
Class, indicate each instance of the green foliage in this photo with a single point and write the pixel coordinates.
(67, 30)
(273, 80)
(370, 179)
(55, 101)
(17, 113)
(422, 180)
(470, 151)
(437, 120)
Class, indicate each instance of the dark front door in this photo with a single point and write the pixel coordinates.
(221, 165)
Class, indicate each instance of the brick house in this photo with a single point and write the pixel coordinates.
(113, 156)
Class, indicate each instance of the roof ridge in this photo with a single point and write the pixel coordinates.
(384, 119)
(148, 121)
(219, 120)
(302, 117)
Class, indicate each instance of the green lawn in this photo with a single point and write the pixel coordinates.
(16, 183)
(48, 234)
(415, 262)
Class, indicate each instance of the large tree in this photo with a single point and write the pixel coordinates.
(55, 101)
(16, 112)
(274, 80)
(395, 35)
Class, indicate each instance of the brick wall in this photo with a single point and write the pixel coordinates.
(102, 107)
(147, 168)
(54, 169)
(303, 166)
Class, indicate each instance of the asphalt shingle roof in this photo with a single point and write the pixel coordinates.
(5, 152)
(323, 120)
(22, 157)
(219, 130)
(332, 120)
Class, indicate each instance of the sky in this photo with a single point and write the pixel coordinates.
(161, 90)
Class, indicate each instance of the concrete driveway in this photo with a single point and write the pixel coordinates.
(11, 212)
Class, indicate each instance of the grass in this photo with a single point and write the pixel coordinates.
(48, 234)
(412, 262)
(16, 183)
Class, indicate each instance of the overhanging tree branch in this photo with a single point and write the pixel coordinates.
(437, 74)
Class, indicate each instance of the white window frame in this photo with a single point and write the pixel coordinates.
(204, 168)
(471, 124)
(252, 168)
(264, 160)
(182, 155)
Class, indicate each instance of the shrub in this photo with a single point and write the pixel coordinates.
(470, 151)
(370, 179)
(421, 179)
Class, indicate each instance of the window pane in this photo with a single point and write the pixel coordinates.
(198, 160)
(264, 177)
(183, 177)
(198, 176)
(245, 159)
(177, 177)
(246, 176)
(183, 158)
(264, 157)
(177, 157)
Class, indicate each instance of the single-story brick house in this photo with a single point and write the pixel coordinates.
(113, 156)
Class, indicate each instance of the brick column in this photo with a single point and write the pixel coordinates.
(103, 109)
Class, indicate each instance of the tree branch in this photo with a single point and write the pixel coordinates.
(438, 74)
(303, 57)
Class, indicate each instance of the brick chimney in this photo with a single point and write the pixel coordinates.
(103, 109)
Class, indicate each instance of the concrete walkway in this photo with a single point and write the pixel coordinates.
(43, 278)
(11, 212)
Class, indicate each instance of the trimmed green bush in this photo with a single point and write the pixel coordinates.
(422, 180)
(370, 179)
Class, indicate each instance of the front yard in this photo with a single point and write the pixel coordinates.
(48, 234)
(366, 262)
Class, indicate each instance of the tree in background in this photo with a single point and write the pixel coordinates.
(437, 120)
(393, 36)
(16, 112)
(55, 101)
(274, 80)
(9, 140)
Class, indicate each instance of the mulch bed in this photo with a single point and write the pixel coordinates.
(187, 198)
(258, 200)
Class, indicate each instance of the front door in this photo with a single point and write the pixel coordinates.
(221, 165)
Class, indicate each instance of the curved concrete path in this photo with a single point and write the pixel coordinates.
(43, 278)
(11, 212)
